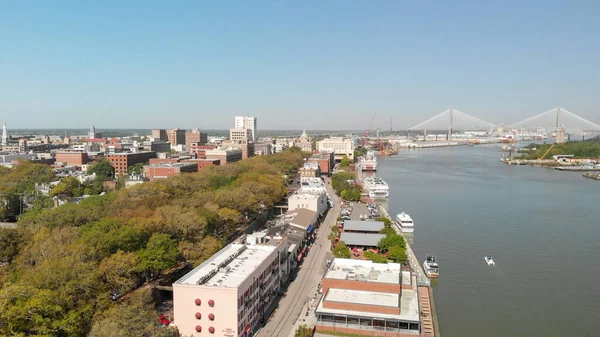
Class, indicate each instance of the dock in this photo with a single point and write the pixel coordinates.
(429, 324)
(578, 168)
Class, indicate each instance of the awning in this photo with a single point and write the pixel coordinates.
(309, 229)
(299, 256)
(248, 328)
(303, 250)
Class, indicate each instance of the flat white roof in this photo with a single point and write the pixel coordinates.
(409, 303)
(362, 297)
(306, 194)
(363, 270)
(229, 267)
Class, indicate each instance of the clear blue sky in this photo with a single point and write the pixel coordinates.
(294, 64)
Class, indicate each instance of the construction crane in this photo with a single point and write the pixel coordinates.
(366, 136)
(546, 153)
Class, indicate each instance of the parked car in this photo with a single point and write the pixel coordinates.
(115, 295)
(164, 320)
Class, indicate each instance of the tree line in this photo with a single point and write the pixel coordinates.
(340, 182)
(59, 266)
(579, 149)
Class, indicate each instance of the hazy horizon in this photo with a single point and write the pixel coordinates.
(313, 65)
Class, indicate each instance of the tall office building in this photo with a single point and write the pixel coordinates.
(246, 123)
(159, 134)
(196, 136)
(176, 137)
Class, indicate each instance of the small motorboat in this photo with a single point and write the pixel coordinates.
(488, 259)
(431, 267)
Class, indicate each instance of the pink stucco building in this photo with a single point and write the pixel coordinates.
(230, 293)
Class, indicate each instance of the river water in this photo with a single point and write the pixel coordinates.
(541, 226)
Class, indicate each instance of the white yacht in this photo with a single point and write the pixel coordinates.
(488, 259)
(368, 162)
(431, 267)
(376, 187)
(405, 222)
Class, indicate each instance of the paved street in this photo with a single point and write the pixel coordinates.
(293, 307)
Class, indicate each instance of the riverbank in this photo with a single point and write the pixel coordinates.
(467, 205)
(552, 164)
(429, 321)
(592, 176)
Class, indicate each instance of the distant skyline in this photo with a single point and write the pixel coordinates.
(294, 65)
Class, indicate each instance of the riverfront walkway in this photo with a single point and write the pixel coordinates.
(413, 262)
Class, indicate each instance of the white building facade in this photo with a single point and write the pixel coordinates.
(339, 145)
(247, 123)
(313, 200)
(230, 293)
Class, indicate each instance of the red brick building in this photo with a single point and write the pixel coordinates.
(122, 161)
(224, 155)
(166, 170)
(326, 161)
(369, 299)
(73, 158)
(202, 163)
(199, 149)
(200, 138)
(163, 160)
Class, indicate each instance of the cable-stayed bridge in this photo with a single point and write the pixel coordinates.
(453, 119)
(554, 119)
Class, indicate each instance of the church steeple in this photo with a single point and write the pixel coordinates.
(4, 135)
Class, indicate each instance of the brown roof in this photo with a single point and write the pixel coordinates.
(303, 218)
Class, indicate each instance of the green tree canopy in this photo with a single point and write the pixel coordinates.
(390, 241)
(118, 271)
(341, 250)
(68, 186)
(397, 254)
(136, 169)
(10, 244)
(303, 331)
(386, 221)
(345, 162)
(352, 194)
(160, 254)
(134, 318)
(65, 261)
(102, 168)
(11, 206)
(377, 258)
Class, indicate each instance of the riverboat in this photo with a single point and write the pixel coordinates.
(368, 162)
(376, 187)
(405, 222)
